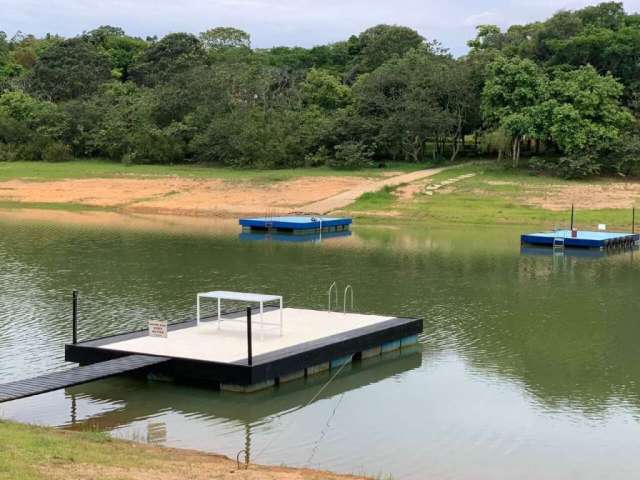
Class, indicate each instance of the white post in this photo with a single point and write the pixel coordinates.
(219, 320)
(197, 309)
(280, 316)
(261, 313)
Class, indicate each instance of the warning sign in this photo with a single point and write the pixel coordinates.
(157, 328)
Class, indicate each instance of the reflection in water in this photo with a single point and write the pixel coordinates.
(292, 238)
(528, 368)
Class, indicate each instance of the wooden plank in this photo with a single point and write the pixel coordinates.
(76, 376)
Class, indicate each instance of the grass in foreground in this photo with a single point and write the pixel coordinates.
(493, 196)
(108, 169)
(30, 453)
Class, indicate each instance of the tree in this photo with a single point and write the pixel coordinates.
(488, 37)
(513, 87)
(121, 49)
(586, 115)
(411, 100)
(225, 37)
(381, 43)
(69, 69)
(322, 89)
(175, 54)
(4, 48)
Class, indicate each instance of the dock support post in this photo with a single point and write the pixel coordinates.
(249, 345)
(572, 215)
(75, 317)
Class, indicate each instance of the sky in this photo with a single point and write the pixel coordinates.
(284, 22)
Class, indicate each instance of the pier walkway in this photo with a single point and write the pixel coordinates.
(76, 376)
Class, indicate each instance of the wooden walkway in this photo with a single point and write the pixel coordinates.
(76, 376)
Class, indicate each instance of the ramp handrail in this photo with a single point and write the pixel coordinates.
(347, 288)
(333, 285)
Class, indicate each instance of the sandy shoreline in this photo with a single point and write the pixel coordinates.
(202, 197)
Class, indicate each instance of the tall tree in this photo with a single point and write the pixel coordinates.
(173, 55)
(378, 44)
(513, 87)
(69, 69)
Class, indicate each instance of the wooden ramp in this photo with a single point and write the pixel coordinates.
(76, 376)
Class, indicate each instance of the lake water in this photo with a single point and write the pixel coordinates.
(528, 368)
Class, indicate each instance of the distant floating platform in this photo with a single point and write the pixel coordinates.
(214, 352)
(295, 224)
(583, 239)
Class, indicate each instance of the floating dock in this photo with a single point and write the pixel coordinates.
(234, 352)
(581, 239)
(297, 225)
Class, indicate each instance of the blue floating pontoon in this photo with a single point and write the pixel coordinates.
(295, 224)
(582, 239)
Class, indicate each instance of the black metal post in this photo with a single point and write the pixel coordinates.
(75, 316)
(572, 213)
(249, 345)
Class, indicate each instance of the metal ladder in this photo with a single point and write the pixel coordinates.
(333, 285)
(334, 288)
(346, 289)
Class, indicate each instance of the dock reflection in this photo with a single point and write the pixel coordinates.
(138, 399)
(291, 238)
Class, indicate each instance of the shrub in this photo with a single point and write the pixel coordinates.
(571, 167)
(318, 158)
(351, 155)
(57, 152)
(8, 152)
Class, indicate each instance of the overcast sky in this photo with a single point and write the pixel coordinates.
(284, 22)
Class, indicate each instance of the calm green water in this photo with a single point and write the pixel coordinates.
(529, 364)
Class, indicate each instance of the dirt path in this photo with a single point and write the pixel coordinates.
(343, 199)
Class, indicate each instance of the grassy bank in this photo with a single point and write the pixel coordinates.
(28, 452)
(502, 196)
(108, 169)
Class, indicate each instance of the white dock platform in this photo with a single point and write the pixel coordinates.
(227, 341)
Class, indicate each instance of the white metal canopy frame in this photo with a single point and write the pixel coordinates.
(220, 295)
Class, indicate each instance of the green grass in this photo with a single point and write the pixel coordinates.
(377, 200)
(480, 200)
(38, 453)
(69, 207)
(108, 169)
(26, 450)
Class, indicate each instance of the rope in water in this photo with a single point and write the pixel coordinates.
(313, 399)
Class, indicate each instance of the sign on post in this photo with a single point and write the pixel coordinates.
(158, 328)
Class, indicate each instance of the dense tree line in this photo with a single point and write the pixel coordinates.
(564, 93)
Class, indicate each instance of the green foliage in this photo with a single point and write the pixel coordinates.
(56, 152)
(225, 37)
(324, 90)
(351, 155)
(381, 43)
(121, 49)
(175, 54)
(556, 87)
(20, 106)
(572, 167)
(68, 70)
